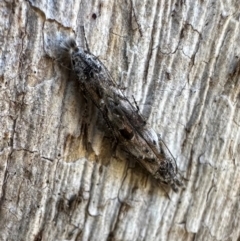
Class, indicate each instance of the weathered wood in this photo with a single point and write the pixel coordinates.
(59, 177)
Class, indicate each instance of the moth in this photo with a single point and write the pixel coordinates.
(134, 135)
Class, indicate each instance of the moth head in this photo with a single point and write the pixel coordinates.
(68, 47)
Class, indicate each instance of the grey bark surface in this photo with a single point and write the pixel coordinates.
(60, 178)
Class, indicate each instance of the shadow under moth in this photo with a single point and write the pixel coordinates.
(134, 135)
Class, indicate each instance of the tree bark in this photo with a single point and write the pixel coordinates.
(60, 178)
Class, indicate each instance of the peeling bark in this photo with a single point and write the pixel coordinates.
(60, 178)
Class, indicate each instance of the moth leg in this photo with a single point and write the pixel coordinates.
(85, 113)
(85, 119)
(110, 127)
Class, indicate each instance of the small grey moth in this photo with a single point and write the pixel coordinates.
(130, 130)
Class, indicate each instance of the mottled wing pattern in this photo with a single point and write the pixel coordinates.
(129, 129)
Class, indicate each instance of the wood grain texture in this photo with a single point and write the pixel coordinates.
(59, 177)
